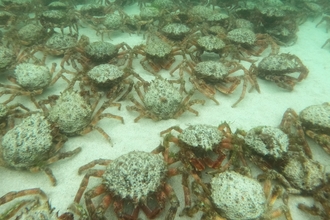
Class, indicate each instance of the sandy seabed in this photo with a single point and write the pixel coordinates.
(256, 109)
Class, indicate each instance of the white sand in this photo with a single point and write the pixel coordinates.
(256, 109)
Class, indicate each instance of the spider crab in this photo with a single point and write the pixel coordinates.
(132, 182)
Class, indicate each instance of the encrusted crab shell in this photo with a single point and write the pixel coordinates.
(91, 9)
(7, 58)
(303, 172)
(162, 89)
(27, 143)
(268, 141)
(279, 63)
(71, 113)
(3, 111)
(201, 11)
(316, 118)
(61, 41)
(32, 77)
(237, 196)
(105, 74)
(175, 30)
(201, 136)
(113, 21)
(31, 33)
(242, 36)
(135, 175)
(101, 51)
(211, 70)
(157, 48)
(211, 43)
(149, 12)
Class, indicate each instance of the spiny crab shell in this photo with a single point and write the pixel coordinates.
(27, 143)
(211, 70)
(71, 113)
(201, 136)
(161, 89)
(316, 117)
(135, 175)
(268, 141)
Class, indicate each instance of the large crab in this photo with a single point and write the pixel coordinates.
(162, 100)
(235, 196)
(209, 76)
(74, 114)
(33, 145)
(277, 67)
(316, 123)
(131, 182)
(37, 207)
(158, 54)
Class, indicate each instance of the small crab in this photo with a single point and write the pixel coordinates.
(33, 145)
(235, 196)
(277, 67)
(37, 207)
(73, 113)
(316, 123)
(132, 182)
(162, 100)
(209, 76)
(158, 54)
